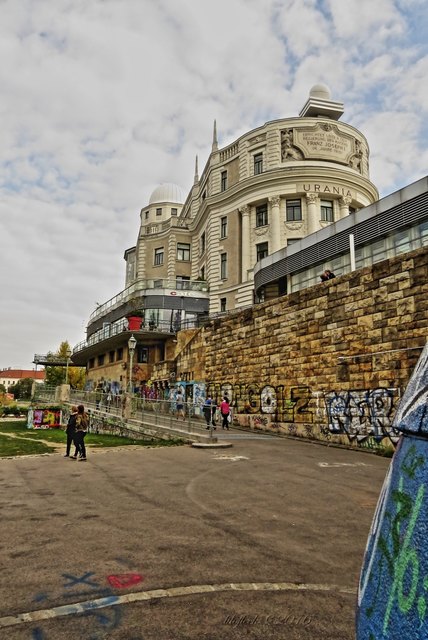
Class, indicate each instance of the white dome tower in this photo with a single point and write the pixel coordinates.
(167, 192)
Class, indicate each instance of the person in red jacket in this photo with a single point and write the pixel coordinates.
(225, 412)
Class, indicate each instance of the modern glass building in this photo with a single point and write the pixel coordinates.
(394, 225)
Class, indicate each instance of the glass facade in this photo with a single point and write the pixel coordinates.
(395, 244)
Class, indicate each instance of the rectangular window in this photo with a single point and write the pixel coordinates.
(293, 211)
(202, 243)
(159, 256)
(92, 363)
(147, 215)
(258, 164)
(119, 354)
(202, 273)
(223, 227)
(402, 242)
(262, 250)
(174, 211)
(327, 211)
(182, 282)
(379, 250)
(223, 180)
(100, 361)
(261, 215)
(223, 266)
(291, 241)
(111, 356)
(222, 304)
(158, 212)
(142, 354)
(183, 251)
(422, 232)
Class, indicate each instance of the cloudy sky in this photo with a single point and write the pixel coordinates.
(102, 100)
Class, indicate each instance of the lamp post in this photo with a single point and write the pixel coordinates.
(131, 348)
(68, 354)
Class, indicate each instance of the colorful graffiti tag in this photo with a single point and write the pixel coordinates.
(362, 415)
(393, 589)
(362, 412)
(267, 399)
(102, 609)
(44, 418)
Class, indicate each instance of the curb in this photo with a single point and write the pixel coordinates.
(212, 445)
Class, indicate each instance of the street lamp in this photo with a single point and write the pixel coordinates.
(131, 348)
(68, 354)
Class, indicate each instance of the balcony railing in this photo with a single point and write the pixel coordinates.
(121, 325)
(138, 288)
(159, 227)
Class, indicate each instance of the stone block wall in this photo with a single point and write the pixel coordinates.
(330, 361)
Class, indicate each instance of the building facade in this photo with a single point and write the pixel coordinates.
(196, 254)
(267, 190)
(9, 377)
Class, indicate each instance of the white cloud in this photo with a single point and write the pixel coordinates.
(100, 101)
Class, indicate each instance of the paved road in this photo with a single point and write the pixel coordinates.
(263, 540)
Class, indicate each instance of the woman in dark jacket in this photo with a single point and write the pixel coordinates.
(82, 423)
(70, 431)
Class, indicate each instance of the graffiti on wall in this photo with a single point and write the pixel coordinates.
(360, 413)
(283, 405)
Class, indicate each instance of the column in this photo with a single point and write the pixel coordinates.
(313, 213)
(245, 242)
(344, 206)
(275, 225)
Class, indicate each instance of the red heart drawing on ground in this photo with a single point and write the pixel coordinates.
(124, 580)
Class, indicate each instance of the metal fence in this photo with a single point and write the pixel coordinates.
(150, 411)
(44, 393)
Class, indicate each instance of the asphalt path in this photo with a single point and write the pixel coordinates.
(263, 540)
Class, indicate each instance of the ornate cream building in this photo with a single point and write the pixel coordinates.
(196, 254)
(271, 187)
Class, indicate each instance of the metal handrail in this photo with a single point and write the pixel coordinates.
(157, 411)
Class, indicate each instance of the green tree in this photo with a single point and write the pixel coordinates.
(56, 375)
(2, 388)
(22, 389)
(77, 377)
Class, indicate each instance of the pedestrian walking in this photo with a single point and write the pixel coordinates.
(225, 412)
(70, 431)
(209, 412)
(179, 403)
(82, 423)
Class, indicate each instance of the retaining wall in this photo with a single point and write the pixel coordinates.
(329, 362)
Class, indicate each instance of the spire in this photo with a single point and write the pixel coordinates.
(196, 180)
(215, 142)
